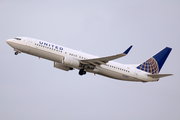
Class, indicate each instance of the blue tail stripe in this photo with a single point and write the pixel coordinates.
(154, 64)
(162, 56)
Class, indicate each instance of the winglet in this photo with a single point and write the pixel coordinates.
(126, 52)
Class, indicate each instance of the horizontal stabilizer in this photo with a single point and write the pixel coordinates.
(158, 75)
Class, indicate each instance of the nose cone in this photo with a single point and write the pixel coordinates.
(8, 41)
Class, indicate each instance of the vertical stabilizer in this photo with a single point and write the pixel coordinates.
(154, 64)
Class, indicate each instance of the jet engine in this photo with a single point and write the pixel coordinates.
(71, 62)
(62, 67)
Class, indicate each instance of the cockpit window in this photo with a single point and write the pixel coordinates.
(17, 38)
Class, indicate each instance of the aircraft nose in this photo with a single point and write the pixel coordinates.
(8, 41)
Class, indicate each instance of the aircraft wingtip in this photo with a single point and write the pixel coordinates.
(127, 51)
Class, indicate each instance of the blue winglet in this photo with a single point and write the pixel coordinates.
(126, 52)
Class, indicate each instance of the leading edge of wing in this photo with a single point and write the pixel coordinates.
(103, 60)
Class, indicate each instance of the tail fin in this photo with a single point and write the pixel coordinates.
(154, 64)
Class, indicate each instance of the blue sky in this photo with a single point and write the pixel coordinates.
(33, 89)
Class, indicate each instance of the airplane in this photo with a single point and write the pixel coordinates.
(68, 59)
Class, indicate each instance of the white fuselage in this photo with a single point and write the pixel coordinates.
(56, 53)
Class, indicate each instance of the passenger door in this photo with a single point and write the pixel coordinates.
(28, 42)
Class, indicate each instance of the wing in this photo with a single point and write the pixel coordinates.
(104, 60)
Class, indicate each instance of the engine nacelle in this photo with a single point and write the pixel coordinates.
(71, 62)
(61, 66)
